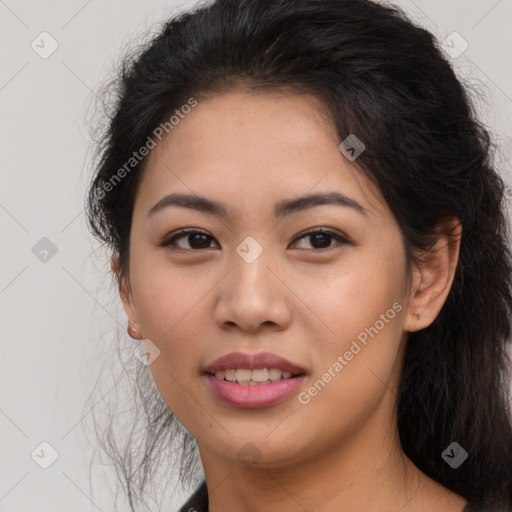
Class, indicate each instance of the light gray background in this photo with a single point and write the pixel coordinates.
(58, 317)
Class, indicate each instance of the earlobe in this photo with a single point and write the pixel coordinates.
(134, 331)
(434, 277)
(125, 294)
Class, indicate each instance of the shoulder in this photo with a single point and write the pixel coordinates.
(198, 501)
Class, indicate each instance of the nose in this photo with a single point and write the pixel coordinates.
(252, 296)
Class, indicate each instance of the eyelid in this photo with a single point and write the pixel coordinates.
(169, 238)
(335, 233)
(339, 236)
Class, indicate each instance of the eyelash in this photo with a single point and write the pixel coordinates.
(182, 233)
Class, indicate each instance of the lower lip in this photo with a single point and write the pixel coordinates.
(258, 395)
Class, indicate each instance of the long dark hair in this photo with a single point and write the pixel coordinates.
(387, 81)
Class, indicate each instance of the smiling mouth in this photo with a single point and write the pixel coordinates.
(255, 377)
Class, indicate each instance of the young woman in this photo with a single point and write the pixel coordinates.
(309, 235)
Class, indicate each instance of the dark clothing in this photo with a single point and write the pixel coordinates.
(198, 501)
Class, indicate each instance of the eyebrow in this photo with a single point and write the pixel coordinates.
(281, 209)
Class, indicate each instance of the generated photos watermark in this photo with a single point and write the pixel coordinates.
(342, 360)
(143, 151)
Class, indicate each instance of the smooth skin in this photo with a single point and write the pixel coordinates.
(305, 298)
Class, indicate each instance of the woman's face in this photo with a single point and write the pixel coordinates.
(332, 302)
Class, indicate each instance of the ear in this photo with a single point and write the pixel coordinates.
(433, 278)
(126, 296)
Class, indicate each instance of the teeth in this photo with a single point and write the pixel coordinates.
(246, 377)
(228, 375)
(259, 375)
(274, 374)
(243, 375)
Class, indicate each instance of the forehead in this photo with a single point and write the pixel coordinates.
(253, 148)
(250, 128)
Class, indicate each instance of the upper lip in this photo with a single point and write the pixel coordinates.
(235, 360)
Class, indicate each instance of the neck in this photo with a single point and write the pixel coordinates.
(366, 470)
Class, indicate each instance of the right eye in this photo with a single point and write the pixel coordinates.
(197, 239)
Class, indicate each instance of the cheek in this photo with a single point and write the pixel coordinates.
(355, 359)
(168, 303)
(361, 308)
(354, 293)
(165, 295)
(169, 311)
(368, 346)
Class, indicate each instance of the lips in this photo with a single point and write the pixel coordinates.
(239, 360)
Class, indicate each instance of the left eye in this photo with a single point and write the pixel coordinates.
(320, 239)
